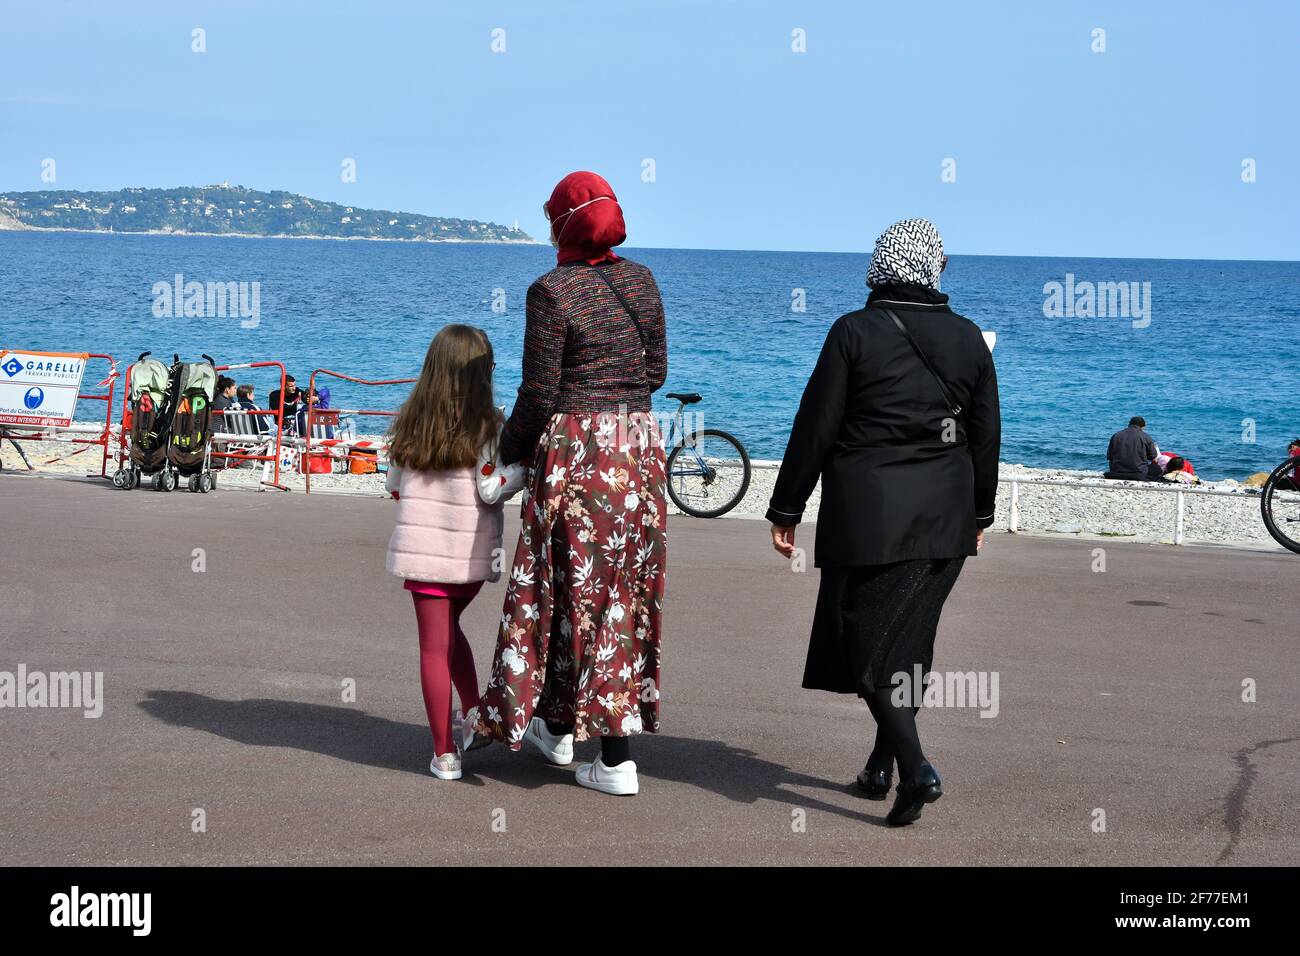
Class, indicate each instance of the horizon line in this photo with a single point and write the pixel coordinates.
(962, 255)
(37, 230)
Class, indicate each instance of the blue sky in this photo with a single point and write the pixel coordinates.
(1059, 150)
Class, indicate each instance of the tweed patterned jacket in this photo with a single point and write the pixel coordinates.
(583, 351)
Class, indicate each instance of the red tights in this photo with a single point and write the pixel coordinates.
(445, 659)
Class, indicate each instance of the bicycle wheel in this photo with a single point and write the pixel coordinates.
(1279, 503)
(708, 473)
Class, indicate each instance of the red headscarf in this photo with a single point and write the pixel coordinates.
(586, 219)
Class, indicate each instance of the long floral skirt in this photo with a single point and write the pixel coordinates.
(579, 636)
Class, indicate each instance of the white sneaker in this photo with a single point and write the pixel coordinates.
(466, 739)
(557, 748)
(619, 781)
(445, 767)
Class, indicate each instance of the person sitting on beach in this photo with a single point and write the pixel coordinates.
(1293, 450)
(225, 397)
(450, 496)
(224, 400)
(309, 398)
(244, 397)
(287, 404)
(1170, 463)
(323, 402)
(1132, 452)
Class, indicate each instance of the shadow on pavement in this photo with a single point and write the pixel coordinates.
(341, 732)
(742, 776)
(353, 735)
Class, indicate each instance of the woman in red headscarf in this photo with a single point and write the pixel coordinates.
(578, 647)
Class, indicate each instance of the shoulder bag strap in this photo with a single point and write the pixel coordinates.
(947, 397)
(636, 320)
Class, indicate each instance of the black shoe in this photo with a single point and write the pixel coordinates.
(913, 795)
(875, 784)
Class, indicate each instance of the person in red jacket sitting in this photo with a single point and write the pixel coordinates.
(1169, 461)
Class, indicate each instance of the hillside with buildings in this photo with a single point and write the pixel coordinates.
(234, 210)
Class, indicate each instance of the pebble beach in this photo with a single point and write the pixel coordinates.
(1119, 510)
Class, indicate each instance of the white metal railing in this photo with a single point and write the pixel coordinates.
(1108, 484)
(1104, 484)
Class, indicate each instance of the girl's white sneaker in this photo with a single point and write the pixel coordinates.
(557, 748)
(445, 767)
(620, 781)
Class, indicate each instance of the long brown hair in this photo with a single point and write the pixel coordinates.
(449, 414)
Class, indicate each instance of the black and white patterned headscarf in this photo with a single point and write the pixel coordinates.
(907, 253)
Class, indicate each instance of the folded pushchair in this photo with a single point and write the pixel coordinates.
(170, 436)
(150, 421)
(189, 449)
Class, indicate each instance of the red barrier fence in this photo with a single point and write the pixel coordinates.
(314, 414)
(309, 446)
(103, 439)
(275, 413)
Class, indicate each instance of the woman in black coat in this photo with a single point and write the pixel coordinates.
(900, 420)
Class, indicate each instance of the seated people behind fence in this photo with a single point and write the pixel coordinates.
(225, 397)
(1132, 453)
(310, 398)
(287, 404)
(323, 402)
(245, 401)
(222, 401)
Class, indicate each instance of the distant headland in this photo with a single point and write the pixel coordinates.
(226, 210)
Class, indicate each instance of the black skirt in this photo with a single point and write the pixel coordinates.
(875, 621)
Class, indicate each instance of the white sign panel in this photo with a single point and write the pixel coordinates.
(39, 388)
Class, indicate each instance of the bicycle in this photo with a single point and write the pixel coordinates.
(708, 470)
(1279, 503)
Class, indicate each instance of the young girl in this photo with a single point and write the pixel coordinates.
(450, 493)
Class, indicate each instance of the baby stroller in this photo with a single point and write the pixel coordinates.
(150, 422)
(170, 424)
(189, 451)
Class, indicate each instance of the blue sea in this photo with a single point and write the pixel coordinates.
(1218, 358)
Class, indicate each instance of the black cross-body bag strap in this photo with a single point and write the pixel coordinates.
(947, 396)
(636, 320)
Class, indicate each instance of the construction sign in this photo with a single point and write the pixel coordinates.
(40, 388)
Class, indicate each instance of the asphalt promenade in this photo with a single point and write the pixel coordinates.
(1119, 692)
